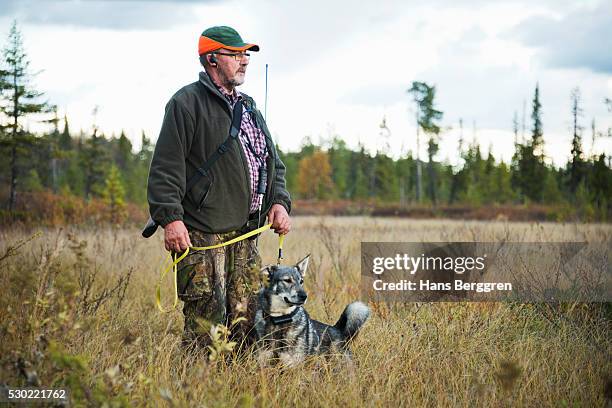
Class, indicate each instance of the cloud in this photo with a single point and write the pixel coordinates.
(580, 39)
(302, 34)
(114, 15)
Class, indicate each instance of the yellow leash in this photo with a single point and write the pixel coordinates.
(176, 260)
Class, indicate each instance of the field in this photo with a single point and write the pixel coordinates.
(78, 310)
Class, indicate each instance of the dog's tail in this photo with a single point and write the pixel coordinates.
(353, 317)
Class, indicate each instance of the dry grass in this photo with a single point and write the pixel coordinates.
(83, 316)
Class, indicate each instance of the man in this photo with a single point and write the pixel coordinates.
(217, 285)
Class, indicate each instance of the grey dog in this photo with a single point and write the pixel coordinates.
(285, 331)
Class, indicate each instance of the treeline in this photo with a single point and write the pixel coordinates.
(337, 172)
(97, 178)
(92, 172)
(86, 164)
(583, 185)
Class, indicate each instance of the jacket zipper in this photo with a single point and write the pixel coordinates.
(201, 204)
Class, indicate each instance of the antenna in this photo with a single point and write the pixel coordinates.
(523, 123)
(266, 98)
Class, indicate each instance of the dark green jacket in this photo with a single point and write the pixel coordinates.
(197, 121)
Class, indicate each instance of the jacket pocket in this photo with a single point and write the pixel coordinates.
(200, 191)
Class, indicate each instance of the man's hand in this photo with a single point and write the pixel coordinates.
(281, 224)
(176, 237)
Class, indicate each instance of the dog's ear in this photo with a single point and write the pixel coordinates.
(303, 265)
(267, 272)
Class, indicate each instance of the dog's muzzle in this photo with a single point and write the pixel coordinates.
(301, 300)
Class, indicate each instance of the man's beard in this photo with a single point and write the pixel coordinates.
(238, 79)
(236, 82)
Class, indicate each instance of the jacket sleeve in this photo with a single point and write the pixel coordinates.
(281, 195)
(166, 184)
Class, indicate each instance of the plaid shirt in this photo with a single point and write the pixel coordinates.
(250, 134)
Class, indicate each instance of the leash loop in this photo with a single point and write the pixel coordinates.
(174, 261)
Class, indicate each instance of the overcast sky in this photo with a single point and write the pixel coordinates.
(334, 67)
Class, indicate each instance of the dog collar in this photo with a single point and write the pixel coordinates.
(284, 318)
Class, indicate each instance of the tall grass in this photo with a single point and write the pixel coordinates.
(78, 311)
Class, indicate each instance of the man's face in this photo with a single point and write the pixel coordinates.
(231, 69)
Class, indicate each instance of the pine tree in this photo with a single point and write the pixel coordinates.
(291, 168)
(458, 177)
(583, 202)
(94, 159)
(474, 169)
(432, 150)
(600, 181)
(406, 167)
(503, 184)
(457, 185)
(530, 166)
(516, 177)
(427, 117)
(487, 182)
(19, 101)
(357, 184)
(339, 157)
(537, 134)
(54, 151)
(123, 156)
(576, 165)
(386, 185)
(114, 195)
(31, 181)
(65, 140)
(551, 193)
(138, 188)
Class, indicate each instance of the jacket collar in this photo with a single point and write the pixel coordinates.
(208, 83)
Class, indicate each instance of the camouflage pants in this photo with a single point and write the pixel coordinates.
(217, 286)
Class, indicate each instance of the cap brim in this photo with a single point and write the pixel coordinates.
(245, 47)
(206, 45)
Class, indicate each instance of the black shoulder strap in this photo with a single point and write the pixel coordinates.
(151, 226)
(223, 147)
